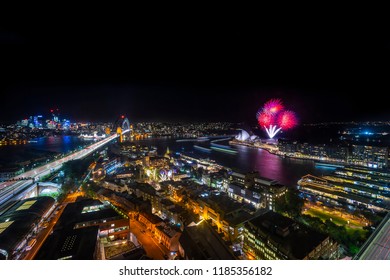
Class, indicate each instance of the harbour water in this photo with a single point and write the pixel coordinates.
(39, 147)
(286, 170)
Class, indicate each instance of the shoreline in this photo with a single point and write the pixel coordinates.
(315, 160)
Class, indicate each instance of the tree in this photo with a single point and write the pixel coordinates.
(291, 204)
(76, 168)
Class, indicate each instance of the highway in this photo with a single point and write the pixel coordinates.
(12, 189)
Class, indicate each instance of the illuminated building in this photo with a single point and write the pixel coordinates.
(128, 202)
(168, 237)
(110, 165)
(162, 206)
(247, 195)
(20, 223)
(253, 189)
(159, 162)
(370, 156)
(223, 212)
(80, 228)
(170, 211)
(315, 151)
(242, 135)
(214, 180)
(350, 186)
(146, 192)
(272, 236)
(24, 122)
(150, 221)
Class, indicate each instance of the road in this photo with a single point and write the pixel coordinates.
(152, 247)
(45, 232)
(9, 190)
(351, 220)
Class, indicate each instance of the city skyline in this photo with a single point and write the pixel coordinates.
(164, 103)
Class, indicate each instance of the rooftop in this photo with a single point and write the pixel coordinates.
(221, 203)
(238, 217)
(20, 219)
(166, 202)
(201, 242)
(294, 240)
(167, 230)
(152, 218)
(144, 187)
(78, 244)
(83, 211)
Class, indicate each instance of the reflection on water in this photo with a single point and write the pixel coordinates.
(285, 170)
(38, 148)
(59, 144)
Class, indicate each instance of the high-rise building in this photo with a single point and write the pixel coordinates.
(251, 188)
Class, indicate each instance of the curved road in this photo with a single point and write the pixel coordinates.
(9, 190)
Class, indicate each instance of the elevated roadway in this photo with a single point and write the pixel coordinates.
(13, 189)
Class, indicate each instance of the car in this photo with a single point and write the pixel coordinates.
(31, 244)
(45, 224)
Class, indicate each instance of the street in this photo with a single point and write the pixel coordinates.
(44, 232)
(152, 247)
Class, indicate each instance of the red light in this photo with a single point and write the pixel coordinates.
(51, 111)
(123, 116)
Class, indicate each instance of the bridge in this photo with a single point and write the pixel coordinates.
(123, 126)
(12, 190)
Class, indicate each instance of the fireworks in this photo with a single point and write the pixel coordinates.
(273, 106)
(273, 118)
(287, 120)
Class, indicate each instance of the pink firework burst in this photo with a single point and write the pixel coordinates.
(265, 119)
(273, 106)
(287, 120)
(273, 118)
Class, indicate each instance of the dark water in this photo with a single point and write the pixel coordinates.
(43, 146)
(287, 171)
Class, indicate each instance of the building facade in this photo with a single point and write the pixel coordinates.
(272, 236)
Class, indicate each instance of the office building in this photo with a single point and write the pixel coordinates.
(272, 236)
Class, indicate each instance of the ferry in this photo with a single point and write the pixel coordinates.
(328, 165)
(203, 149)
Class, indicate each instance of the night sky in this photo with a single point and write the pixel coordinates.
(193, 74)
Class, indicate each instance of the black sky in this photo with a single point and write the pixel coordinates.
(194, 73)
